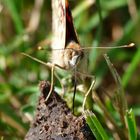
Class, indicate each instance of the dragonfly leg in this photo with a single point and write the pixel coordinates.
(50, 66)
(87, 93)
(52, 82)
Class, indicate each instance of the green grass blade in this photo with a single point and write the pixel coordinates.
(122, 102)
(15, 15)
(8, 111)
(93, 128)
(131, 68)
(128, 29)
(82, 7)
(96, 126)
(110, 5)
(131, 124)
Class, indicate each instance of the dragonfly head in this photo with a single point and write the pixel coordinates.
(73, 54)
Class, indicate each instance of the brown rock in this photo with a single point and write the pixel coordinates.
(54, 120)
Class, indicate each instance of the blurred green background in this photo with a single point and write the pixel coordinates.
(25, 25)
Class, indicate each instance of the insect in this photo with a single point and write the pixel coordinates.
(67, 53)
(66, 49)
(65, 39)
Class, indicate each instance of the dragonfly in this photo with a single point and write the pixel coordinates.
(67, 53)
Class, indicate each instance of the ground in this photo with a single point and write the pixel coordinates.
(55, 121)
